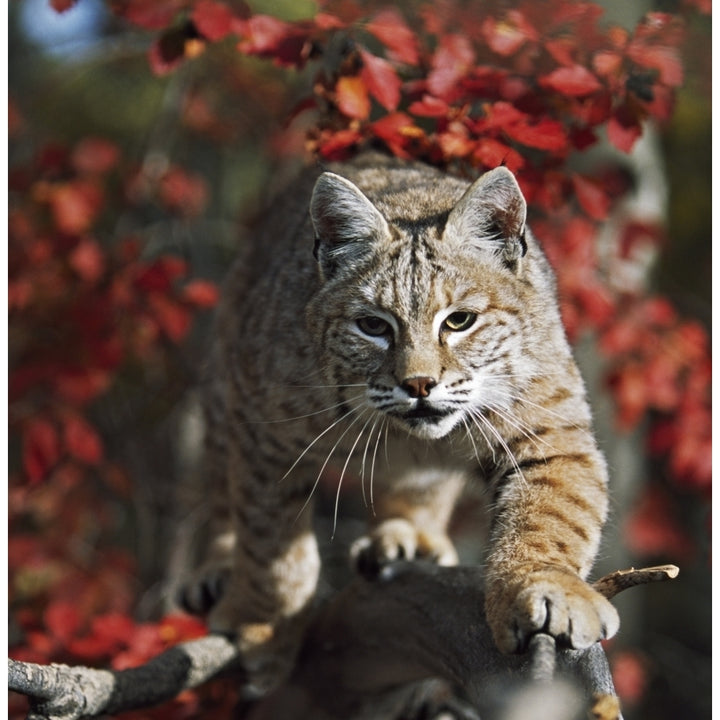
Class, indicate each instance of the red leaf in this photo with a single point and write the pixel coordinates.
(335, 145)
(179, 627)
(562, 50)
(597, 303)
(75, 206)
(505, 37)
(452, 60)
(623, 130)
(381, 80)
(143, 644)
(499, 115)
(455, 141)
(95, 156)
(429, 106)
(390, 28)
(90, 647)
(160, 275)
(352, 97)
(547, 135)
(629, 676)
(493, 153)
(41, 448)
(606, 63)
(325, 21)
(62, 5)
(87, 260)
(591, 196)
(661, 58)
(201, 293)
(653, 530)
(113, 628)
(154, 15)
(62, 619)
(264, 34)
(574, 81)
(81, 386)
(82, 441)
(174, 320)
(212, 19)
(183, 192)
(396, 130)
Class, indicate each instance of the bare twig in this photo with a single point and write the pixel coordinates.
(610, 585)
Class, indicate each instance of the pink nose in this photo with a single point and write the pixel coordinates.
(417, 387)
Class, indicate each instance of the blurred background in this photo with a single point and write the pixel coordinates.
(131, 187)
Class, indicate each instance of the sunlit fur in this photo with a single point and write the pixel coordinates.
(299, 380)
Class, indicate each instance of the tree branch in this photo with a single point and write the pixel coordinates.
(365, 651)
(60, 692)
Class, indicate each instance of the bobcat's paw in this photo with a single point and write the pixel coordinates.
(399, 539)
(201, 593)
(551, 599)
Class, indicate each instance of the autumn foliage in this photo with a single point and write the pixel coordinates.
(463, 85)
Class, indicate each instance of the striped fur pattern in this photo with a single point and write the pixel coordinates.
(418, 346)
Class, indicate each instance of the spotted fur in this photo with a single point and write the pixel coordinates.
(418, 345)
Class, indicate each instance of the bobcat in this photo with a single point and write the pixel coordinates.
(424, 323)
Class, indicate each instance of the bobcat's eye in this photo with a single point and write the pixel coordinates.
(459, 321)
(373, 326)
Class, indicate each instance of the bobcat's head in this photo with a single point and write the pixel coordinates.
(423, 297)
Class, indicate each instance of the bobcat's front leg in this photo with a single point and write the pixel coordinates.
(549, 515)
(410, 522)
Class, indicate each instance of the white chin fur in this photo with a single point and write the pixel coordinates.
(431, 430)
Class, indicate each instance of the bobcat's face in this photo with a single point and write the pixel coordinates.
(432, 349)
(420, 298)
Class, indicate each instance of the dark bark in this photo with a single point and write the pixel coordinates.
(368, 654)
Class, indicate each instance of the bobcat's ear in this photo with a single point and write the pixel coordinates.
(345, 221)
(491, 214)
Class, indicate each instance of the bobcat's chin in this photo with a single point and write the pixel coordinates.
(429, 423)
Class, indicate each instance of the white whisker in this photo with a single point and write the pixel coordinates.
(344, 469)
(521, 427)
(327, 460)
(521, 399)
(372, 463)
(482, 432)
(317, 437)
(364, 459)
(472, 440)
(475, 413)
(307, 415)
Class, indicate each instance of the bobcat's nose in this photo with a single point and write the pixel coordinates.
(417, 387)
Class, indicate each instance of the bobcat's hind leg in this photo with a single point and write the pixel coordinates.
(275, 566)
(265, 606)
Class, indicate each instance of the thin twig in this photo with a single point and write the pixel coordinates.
(610, 585)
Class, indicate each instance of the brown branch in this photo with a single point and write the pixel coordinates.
(366, 650)
(610, 585)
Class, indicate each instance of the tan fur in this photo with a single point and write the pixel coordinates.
(295, 381)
